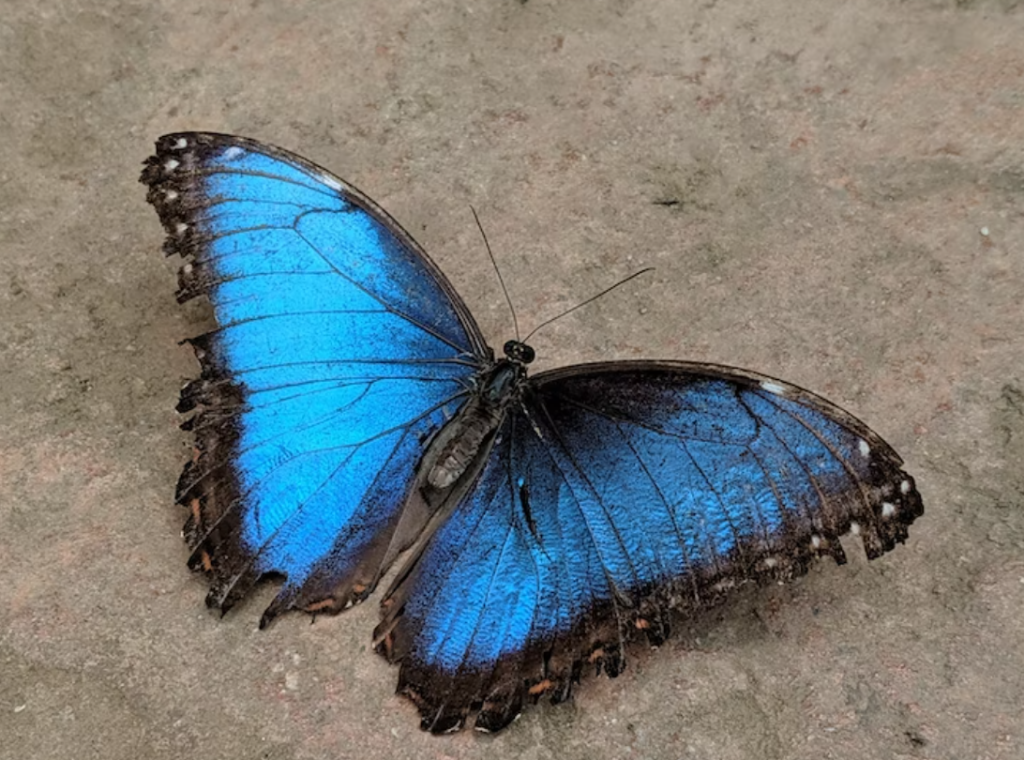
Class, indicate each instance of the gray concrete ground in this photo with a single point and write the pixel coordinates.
(831, 193)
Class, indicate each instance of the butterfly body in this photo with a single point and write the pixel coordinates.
(480, 417)
(349, 415)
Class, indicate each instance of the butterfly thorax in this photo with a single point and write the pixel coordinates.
(496, 389)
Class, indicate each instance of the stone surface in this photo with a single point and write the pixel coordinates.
(830, 192)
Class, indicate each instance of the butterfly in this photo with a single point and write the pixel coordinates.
(349, 417)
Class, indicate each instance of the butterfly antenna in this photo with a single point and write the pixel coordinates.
(604, 292)
(501, 280)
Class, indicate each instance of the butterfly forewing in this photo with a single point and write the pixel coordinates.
(651, 489)
(339, 350)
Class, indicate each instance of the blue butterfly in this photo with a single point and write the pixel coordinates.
(349, 412)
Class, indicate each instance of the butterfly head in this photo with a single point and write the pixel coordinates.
(519, 352)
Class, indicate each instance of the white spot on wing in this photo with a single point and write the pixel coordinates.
(180, 228)
(865, 450)
(905, 487)
(232, 153)
(771, 387)
(171, 164)
(855, 528)
(171, 194)
(331, 182)
(816, 542)
(888, 509)
(187, 269)
(180, 144)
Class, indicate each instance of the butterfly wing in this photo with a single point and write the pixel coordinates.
(340, 349)
(618, 493)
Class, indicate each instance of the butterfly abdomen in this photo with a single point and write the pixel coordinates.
(460, 452)
(475, 425)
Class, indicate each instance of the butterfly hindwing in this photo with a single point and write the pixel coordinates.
(340, 349)
(616, 495)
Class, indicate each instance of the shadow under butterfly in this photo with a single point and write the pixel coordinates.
(349, 411)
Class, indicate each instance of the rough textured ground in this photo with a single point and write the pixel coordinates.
(831, 193)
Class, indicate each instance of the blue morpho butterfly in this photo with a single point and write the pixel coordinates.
(350, 412)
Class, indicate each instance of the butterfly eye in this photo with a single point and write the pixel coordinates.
(519, 352)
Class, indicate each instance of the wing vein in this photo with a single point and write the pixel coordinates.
(401, 315)
(586, 481)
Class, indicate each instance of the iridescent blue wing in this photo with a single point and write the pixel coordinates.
(340, 349)
(617, 494)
